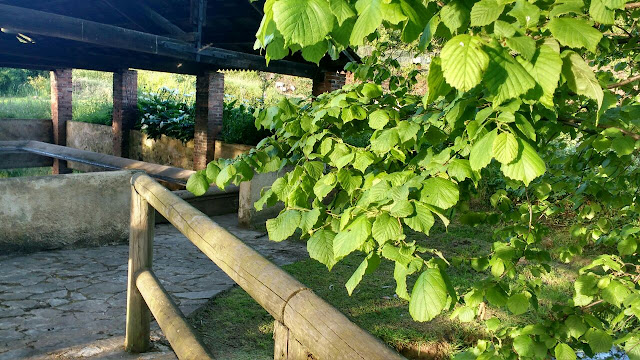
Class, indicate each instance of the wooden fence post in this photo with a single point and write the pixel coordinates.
(140, 257)
(286, 346)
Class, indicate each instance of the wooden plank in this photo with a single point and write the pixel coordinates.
(182, 337)
(280, 341)
(328, 333)
(30, 21)
(140, 258)
(319, 327)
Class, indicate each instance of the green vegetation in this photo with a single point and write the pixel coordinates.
(234, 326)
(531, 107)
(10, 173)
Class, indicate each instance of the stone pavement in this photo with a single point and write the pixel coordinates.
(70, 304)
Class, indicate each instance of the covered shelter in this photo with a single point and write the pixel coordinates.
(197, 37)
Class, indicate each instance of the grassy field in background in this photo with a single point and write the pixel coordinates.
(234, 326)
(11, 173)
(93, 92)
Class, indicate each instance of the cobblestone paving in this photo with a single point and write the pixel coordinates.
(69, 304)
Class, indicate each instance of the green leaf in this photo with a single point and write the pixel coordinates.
(504, 29)
(575, 326)
(455, 15)
(320, 247)
(407, 130)
(464, 61)
(460, 170)
(580, 77)
(378, 119)
(283, 226)
(309, 219)
(369, 18)
(527, 166)
(632, 347)
(429, 295)
(367, 266)
(324, 186)
(372, 90)
(276, 49)
(524, 346)
(600, 13)
(525, 126)
(598, 340)
(352, 237)
(342, 10)
(350, 182)
(436, 85)
(385, 140)
(363, 160)
(615, 293)
(545, 66)
(314, 53)
(439, 192)
(417, 18)
(197, 184)
(303, 22)
(422, 221)
(623, 145)
(627, 246)
(523, 45)
(482, 151)
(392, 12)
(575, 33)
(496, 296)
(402, 208)
(505, 148)
(526, 13)
(615, 4)
(484, 12)
(386, 228)
(518, 304)
(212, 172)
(505, 77)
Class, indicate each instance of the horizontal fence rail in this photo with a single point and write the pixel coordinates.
(306, 326)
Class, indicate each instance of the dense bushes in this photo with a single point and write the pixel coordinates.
(171, 113)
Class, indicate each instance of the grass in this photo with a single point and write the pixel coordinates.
(11, 173)
(236, 327)
(93, 92)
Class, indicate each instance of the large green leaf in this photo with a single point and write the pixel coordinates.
(367, 266)
(518, 303)
(378, 119)
(342, 10)
(423, 219)
(600, 13)
(545, 66)
(429, 295)
(417, 18)
(506, 78)
(484, 12)
(575, 33)
(320, 247)
(464, 61)
(505, 148)
(598, 340)
(303, 22)
(283, 226)
(564, 352)
(352, 237)
(482, 151)
(439, 192)
(455, 15)
(527, 166)
(369, 18)
(198, 184)
(386, 228)
(523, 45)
(436, 85)
(580, 77)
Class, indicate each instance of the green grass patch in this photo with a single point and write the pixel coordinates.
(25, 107)
(236, 327)
(11, 173)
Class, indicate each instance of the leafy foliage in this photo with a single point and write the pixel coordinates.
(517, 82)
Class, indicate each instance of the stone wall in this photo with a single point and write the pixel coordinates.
(90, 137)
(62, 211)
(26, 129)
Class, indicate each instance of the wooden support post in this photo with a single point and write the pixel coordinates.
(183, 339)
(61, 112)
(286, 346)
(140, 258)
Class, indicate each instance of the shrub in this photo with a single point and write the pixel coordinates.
(239, 125)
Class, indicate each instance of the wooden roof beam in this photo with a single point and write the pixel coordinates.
(70, 28)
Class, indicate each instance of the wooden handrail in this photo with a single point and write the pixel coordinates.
(181, 336)
(309, 321)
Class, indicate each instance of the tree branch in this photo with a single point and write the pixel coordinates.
(576, 124)
(624, 82)
(631, 6)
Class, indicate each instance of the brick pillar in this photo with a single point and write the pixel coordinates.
(61, 112)
(125, 109)
(328, 81)
(209, 107)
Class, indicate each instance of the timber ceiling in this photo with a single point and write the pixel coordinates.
(36, 36)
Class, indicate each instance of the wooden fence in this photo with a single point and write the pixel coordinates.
(306, 327)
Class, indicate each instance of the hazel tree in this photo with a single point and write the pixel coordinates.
(541, 94)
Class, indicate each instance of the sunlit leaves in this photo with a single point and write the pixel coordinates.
(283, 226)
(352, 237)
(369, 18)
(527, 166)
(423, 219)
(505, 77)
(464, 61)
(575, 33)
(342, 10)
(437, 86)
(429, 295)
(304, 22)
(386, 228)
(439, 192)
(198, 184)
(505, 148)
(482, 151)
(545, 67)
(484, 12)
(320, 247)
(580, 77)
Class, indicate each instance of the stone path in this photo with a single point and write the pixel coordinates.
(70, 304)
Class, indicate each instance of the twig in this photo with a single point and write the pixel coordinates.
(624, 82)
(631, 6)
